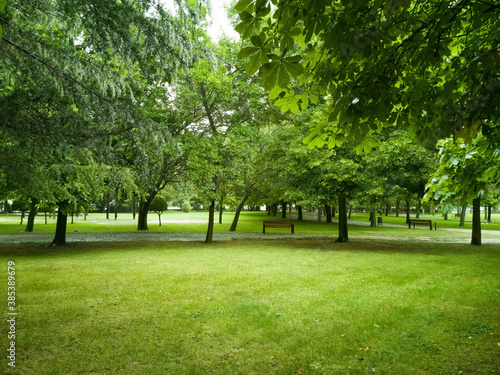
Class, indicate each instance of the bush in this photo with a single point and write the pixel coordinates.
(186, 206)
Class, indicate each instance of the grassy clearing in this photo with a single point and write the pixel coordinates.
(299, 307)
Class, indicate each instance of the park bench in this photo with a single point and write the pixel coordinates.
(277, 224)
(422, 222)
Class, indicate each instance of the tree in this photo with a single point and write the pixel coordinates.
(72, 76)
(432, 65)
(464, 172)
(158, 205)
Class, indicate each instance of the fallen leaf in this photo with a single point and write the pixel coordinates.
(302, 371)
(426, 368)
(272, 357)
(343, 335)
(313, 365)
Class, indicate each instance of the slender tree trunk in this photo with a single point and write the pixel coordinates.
(445, 216)
(31, 216)
(397, 207)
(159, 219)
(328, 211)
(373, 221)
(350, 211)
(108, 207)
(476, 221)
(343, 232)
(221, 209)
(283, 210)
(210, 230)
(134, 207)
(116, 206)
(62, 220)
(238, 211)
(275, 209)
(334, 211)
(489, 215)
(418, 210)
(299, 213)
(462, 215)
(408, 212)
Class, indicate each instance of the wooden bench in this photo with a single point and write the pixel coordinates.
(422, 222)
(277, 224)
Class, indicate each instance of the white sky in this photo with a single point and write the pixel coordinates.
(220, 22)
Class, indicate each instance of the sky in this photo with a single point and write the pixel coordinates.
(220, 22)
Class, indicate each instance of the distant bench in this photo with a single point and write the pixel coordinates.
(277, 224)
(422, 222)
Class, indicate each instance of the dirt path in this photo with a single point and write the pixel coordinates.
(449, 235)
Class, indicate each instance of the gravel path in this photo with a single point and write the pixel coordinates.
(449, 235)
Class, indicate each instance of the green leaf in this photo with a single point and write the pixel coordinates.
(247, 51)
(253, 65)
(3, 3)
(1, 31)
(241, 5)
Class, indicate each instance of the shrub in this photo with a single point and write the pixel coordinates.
(186, 206)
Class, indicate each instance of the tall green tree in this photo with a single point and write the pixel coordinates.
(464, 172)
(432, 65)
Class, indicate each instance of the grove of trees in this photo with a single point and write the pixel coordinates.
(321, 103)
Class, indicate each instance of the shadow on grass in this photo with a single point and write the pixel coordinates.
(77, 248)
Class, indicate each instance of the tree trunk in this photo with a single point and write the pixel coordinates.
(328, 211)
(299, 213)
(62, 220)
(275, 209)
(408, 212)
(343, 233)
(134, 207)
(210, 230)
(476, 221)
(445, 216)
(373, 221)
(238, 211)
(159, 220)
(489, 215)
(283, 210)
(397, 207)
(107, 206)
(418, 210)
(350, 211)
(116, 206)
(31, 216)
(142, 223)
(462, 215)
(221, 209)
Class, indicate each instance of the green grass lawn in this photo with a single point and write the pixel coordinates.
(294, 307)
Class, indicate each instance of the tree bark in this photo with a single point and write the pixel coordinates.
(408, 212)
(283, 210)
(107, 205)
(462, 215)
(418, 210)
(221, 209)
(142, 223)
(373, 221)
(134, 208)
(299, 213)
(116, 206)
(238, 211)
(489, 215)
(62, 220)
(31, 216)
(210, 230)
(476, 222)
(343, 232)
(397, 207)
(328, 211)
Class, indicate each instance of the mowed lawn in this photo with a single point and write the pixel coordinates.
(255, 307)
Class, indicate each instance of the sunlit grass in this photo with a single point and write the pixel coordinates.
(256, 308)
